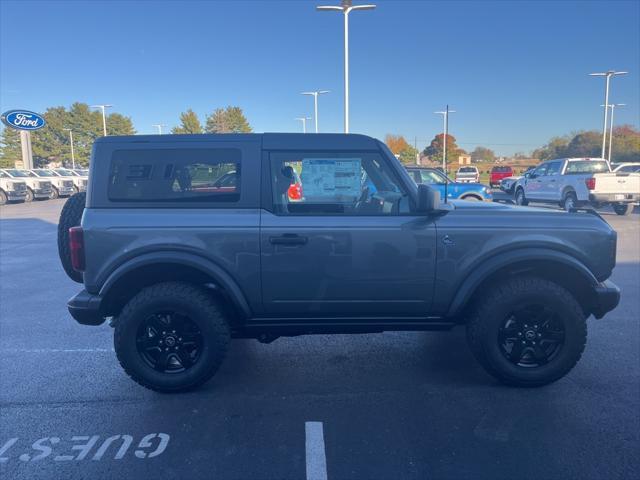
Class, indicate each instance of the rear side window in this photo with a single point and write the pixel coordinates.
(586, 166)
(175, 175)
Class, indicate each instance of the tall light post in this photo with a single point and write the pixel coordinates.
(613, 107)
(608, 74)
(304, 123)
(445, 118)
(104, 116)
(73, 157)
(346, 7)
(315, 94)
(159, 127)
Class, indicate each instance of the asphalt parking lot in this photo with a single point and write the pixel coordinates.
(384, 406)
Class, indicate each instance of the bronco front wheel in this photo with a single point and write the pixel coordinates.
(171, 337)
(527, 332)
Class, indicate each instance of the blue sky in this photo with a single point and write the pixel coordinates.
(515, 72)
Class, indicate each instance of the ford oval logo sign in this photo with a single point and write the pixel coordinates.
(23, 120)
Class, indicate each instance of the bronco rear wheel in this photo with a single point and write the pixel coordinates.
(70, 216)
(171, 337)
(527, 332)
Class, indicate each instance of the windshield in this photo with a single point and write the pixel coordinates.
(587, 166)
(16, 173)
(44, 173)
(65, 173)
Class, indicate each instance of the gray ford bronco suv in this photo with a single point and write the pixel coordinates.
(187, 241)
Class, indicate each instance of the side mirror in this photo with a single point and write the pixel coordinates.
(428, 199)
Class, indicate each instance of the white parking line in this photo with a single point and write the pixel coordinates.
(316, 458)
(56, 350)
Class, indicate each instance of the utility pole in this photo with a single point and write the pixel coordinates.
(346, 7)
(315, 94)
(445, 117)
(104, 116)
(608, 74)
(73, 157)
(304, 123)
(159, 127)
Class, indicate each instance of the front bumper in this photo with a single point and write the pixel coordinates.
(614, 197)
(12, 195)
(42, 193)
(606, 298)
(64, 191)
(85, 308)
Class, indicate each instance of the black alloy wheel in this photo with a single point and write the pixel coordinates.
(531, 336)
(169, 342)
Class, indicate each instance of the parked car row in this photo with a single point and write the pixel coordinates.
(465, 190)
(18, 185)
(577, 182)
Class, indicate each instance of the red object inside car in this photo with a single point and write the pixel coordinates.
(295, 191)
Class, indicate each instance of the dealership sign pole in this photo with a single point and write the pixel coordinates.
(24, 121)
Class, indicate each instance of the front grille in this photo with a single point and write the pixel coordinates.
(68, 183)
(44, 184)
(19, 187)
(84, 182)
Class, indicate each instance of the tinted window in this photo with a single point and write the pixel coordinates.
(431, 177)
(541, 170)
(175, 175)
(468, 170)
(501, 169)
(629, 169)
(553, 168)
(586, 166)
(335, 184)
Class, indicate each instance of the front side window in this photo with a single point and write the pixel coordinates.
(553, 168)
(335, 184)
(175, 175)
(431, 177)
(541, 170)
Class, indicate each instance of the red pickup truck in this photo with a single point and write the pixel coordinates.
(498, 173)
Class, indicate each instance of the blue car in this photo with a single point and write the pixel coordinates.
(463, 191)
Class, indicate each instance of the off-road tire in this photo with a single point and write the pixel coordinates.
(70, 216)
(3, 198)
(569, 201)
(490, 311)
(29, 196)
(54, 193)
(202, 309)
(623, 208)
(520, 198)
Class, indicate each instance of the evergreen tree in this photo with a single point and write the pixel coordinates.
(189, 123)
(10, 149)
(229, 120)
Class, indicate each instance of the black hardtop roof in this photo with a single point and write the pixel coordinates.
(271, 141)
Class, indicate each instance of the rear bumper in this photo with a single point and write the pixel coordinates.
(606, 298)
(614, 197)
(84, 307)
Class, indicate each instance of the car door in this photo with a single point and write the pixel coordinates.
(551, 181)
(350, 246)
(534, 185)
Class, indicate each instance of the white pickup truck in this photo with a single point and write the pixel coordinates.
(620, 189)
(468, 175)
(572, 182)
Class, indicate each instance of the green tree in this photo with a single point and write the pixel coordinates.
(189, 123)
(584, 144)
(483, 154)
(229, 120)
(408, 155)
(435, 149)
(10, 150)
(555, 148)
(118, 124)
(626, 144)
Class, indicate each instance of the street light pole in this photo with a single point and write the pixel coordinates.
(613, 107)
(304, 123)
(73, 157)
(346, 7)
(445, 118)
(104, 116)
(608, 74)
(159, 127)
(315, 94)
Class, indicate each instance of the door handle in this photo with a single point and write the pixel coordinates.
(288, 239)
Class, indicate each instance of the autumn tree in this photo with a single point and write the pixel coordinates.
(189, 123)
(435, 149)
(483, 154)
(396, 143)
(227, 120)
